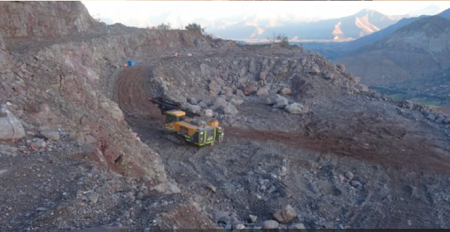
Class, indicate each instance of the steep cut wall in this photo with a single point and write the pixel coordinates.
(39, 20)
(60, 77)
(82, 78)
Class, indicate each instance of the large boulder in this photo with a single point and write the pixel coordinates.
(227, 92)
(242, 80)
(263, 75)
(219, 81)
(286, 91)
(50, 134)
(11, 127)
(328, 76)
(281, 104)
(363, 88)
(236, 101)
(340, 68)
(192, 101)
(240, 93)
(447, 120)
(194, 108)
(243, 72)
(270, 224)
(218, 102)
(295, 108)
(229, 109)
(212, 93)
(250, 90)
(314, 70)
(273, 99)
(285, 215)
(209, 113)
(262, 92)
(298, 226)
(227, 219)
(203, 105)
(214, 86)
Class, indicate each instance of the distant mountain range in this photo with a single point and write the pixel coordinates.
(411, 57)
(414, 51)
(351, 27)
(333, 50)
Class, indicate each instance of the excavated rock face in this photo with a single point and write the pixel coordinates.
(11, 127)
(67, 82)
(82, 74)
(59, 86)
(38, 20)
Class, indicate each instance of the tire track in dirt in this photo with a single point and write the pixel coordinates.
(132, 97)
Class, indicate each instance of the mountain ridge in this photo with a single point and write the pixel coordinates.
(407, 58)
(353, 26)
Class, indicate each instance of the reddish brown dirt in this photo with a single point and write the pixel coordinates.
(132, 97)
(413, 152)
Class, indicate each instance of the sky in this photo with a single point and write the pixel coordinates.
(222, 14)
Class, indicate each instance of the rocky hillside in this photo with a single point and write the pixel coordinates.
(221, 82)
(306, 145)
(56, 78)
(407, 58)
(44, 20)
(333, 50)
(63, 85)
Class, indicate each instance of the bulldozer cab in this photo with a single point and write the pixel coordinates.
(175, 116)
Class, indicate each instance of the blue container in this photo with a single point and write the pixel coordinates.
(130, 63)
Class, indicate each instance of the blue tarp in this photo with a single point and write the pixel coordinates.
(130, 63)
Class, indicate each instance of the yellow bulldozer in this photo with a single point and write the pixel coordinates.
(184, 125)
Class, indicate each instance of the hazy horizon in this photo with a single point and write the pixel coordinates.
(246, 20)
